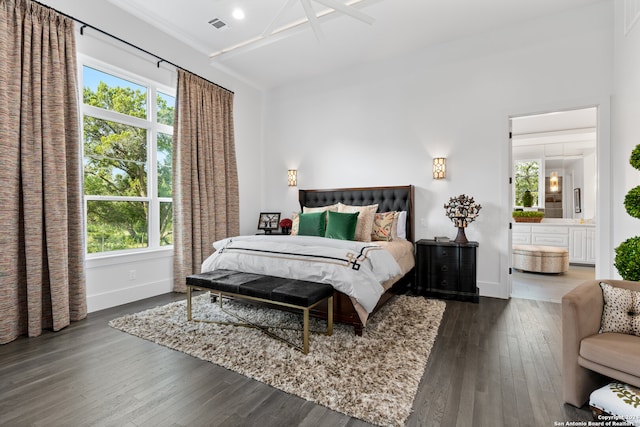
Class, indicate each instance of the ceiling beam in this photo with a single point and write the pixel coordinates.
(347, 10)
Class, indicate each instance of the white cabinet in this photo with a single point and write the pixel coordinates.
(579, 239)
(550, 236)
(521, 234)
(582, 245)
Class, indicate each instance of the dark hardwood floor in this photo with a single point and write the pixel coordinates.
(497, 363)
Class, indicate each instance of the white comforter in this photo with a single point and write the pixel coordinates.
(354, 268)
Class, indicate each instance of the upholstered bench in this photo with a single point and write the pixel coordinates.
(616, 402)
(297, 294)
(540, 259)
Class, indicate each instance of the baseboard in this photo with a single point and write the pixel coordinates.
(493, 290)
(126, 295)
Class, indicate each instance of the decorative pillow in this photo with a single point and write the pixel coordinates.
(621, 312)
(295, 223)
(307, 209)
(382, 226)
(365, 219)
(311, 224)
(341, 225)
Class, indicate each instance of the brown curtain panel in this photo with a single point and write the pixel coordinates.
(42, 282)
(205, 175)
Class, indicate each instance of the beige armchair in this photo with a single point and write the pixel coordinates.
(590, 359)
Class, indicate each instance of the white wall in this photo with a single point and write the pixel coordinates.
(625, 124)
(109, 279)
(381, 124)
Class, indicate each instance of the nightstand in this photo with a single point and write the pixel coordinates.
(446, 270)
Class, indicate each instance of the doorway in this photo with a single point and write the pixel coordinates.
(554, 169)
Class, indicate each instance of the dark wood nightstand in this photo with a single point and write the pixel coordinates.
(446, 270)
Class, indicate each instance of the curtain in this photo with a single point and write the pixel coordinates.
(42, 282)
(205, 176)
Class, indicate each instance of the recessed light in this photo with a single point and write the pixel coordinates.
(238, 14)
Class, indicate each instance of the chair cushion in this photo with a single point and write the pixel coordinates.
(619, 351)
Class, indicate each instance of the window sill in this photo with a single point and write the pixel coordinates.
(104, 259)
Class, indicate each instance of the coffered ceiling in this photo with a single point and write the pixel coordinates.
(282, 40)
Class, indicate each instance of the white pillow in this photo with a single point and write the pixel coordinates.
(399, 228)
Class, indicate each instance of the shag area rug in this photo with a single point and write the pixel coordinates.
(374, 377)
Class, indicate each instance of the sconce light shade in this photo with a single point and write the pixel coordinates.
(553, 182)
(292, 177)
(439, 168)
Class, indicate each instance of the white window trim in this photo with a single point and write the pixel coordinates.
(152, 128)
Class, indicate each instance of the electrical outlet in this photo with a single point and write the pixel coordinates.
(132, 275)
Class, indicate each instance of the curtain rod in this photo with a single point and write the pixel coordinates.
(160, 59)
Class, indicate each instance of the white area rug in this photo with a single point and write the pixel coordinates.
(374, 377)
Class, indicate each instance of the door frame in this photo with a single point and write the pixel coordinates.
(604, 253)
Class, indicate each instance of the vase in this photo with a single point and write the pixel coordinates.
(461, 237)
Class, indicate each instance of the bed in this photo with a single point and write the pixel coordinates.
(373, 255)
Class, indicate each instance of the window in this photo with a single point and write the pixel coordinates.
(128, 131)
(527, 173)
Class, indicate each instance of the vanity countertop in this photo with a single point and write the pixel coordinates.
(558, 223)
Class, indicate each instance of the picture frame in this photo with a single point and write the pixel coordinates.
(576, 200)
(268, 221)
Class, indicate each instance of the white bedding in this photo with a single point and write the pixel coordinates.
(357, 269)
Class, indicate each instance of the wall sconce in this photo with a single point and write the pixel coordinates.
(553, 182)
(292, 177)
(439, 168)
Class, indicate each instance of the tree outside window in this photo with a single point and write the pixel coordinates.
(527, 177)
(120, 140)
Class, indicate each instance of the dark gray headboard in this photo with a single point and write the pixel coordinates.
(398, 198)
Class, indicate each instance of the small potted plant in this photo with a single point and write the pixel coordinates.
(285, 225)
(527, 216)
(527, 199)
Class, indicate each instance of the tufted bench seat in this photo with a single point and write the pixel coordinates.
(298, 294)
(540, 259)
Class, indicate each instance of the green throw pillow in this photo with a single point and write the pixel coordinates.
(311, 224)
(341, 225)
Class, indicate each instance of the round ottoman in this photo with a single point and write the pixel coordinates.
(540, 259)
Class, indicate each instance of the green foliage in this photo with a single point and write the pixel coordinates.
(527, 175)
(527, 199)
(627, 260)
(527, 214)
(632, 202)
(634, 160)
(115, 164)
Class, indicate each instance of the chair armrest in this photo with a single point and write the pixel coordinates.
(581, 314)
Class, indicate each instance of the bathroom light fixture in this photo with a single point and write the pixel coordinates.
(553, 182)
(439, 167)
(292, 177)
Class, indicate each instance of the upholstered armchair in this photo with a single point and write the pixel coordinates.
(589, 358)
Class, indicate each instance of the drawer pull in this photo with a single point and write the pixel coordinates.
(444, 268)
(443, 283)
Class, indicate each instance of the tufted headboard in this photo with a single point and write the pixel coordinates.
(397, 198)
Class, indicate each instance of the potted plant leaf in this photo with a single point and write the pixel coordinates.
(627, 260)
(527, 216)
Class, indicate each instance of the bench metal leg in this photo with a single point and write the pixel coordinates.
(305, 328)
(330, 316)
(188, 303)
